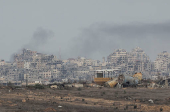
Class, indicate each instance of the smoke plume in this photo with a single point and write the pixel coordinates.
(102, 39)
(39, 39)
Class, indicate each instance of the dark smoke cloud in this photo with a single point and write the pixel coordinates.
(38, 41)
(40, 38)
(102, 39)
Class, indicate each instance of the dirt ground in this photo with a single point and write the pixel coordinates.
(85, 100)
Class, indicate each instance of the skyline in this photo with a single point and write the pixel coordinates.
(82, 28)
(106, 58)
(42, 36)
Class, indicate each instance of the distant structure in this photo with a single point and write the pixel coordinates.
(118, 57)
(134, 61)
(30, 67)
(162, 62)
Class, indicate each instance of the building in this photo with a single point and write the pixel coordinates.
(137, 54)
(2, 62)
(162, 62)
(118, 57)
(45, 74)
(20, 64)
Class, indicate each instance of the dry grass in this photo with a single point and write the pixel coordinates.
(94, 99)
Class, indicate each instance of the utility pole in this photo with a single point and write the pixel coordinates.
(60, 53)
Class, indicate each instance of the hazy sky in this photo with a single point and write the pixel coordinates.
(89, 28)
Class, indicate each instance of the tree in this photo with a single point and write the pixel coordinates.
(9, 84)
(39, 86)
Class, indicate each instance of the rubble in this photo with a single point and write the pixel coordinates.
(59, 106)
(23, 100)
(128, 98)
(151, 101)
(60, 100)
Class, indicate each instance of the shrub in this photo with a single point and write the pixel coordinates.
(9, 84)
(31, 87)
(79, 89)
(39, 86)
(116, 108)
(116, 94)
(135, 106)
(161, 109)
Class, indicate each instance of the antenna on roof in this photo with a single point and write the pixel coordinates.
(59, 53)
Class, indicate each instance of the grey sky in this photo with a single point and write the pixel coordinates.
(75, 25)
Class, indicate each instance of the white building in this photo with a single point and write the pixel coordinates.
(45, 74)
(118, 57)
(162, 62)
(2, 62)
(138, 54)
(27, 65)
